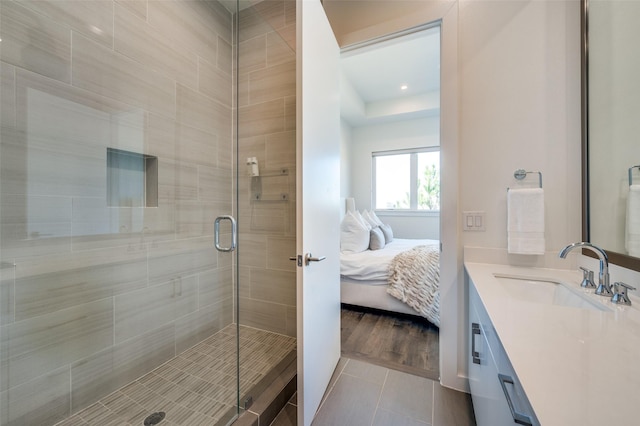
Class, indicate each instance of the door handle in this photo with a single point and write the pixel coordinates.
(308, 258)
(216, 233)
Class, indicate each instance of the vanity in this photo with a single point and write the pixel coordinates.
(544, 351)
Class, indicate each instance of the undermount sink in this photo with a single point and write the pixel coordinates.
(547, 292)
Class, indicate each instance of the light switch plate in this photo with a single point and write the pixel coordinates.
(473, 221)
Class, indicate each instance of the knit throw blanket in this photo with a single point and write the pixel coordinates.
(414, 278)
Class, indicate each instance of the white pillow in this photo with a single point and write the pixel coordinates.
(376, 239)
(362, 220)
(369, 218)
(354, 236)
(388, 233)
(375, 218)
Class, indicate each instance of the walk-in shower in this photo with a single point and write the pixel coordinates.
(125, 130)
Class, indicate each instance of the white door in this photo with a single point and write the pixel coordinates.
(318, 205)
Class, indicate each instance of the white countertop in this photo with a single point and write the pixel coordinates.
(577, 366)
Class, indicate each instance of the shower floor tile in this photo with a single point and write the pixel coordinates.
(198, 387)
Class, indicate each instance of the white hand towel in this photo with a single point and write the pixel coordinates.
(632, 242)
(525, 221)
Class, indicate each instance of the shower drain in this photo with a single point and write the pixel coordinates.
(154, 419)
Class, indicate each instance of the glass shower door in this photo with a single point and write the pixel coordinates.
(116, 151)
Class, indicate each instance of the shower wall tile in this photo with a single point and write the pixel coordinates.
(214, 82)
(201, 112)
(226, 151)
(274, 286)
(148, 308)
(43, 400)
(160, 137)
(290, 12)
(252, 25)
(150, 46)
(278, 251)
(40, 345)
(108, 73)
(290, 113)
(139, 7)
(34, 211)
(267, 117)
(272, 83)
(93, 19)
(263, 315)
(271, 12)
(267, 91)
(274, 221)
(214, 184)
(253, 54)
(7, 95)
(177, 181)
(7, 292)
(194, 145)
(291, 319)
(102, 373)
(254, 250)
(214, 286)
(243, 90)
(288, 34)
(97, 226)
(244, 278)
(222, 20)
(34, 42)
(42, 287)
(195, 219)
(225, 56)
(191, 24)
(281, 151)
(278, 51)
(194, 328)
(173, 260)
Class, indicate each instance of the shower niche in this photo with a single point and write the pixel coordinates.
(132, 179)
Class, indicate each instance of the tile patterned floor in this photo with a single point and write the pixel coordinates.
(198, 387)
(369, 395)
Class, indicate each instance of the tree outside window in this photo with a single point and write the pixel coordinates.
(407, 180)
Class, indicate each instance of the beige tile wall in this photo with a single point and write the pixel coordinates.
(100, 295)
(266, 99)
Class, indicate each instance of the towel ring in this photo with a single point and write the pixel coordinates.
(522, 173)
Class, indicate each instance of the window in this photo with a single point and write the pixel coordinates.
(407, 180)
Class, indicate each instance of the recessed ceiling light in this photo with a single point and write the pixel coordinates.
(404, 87)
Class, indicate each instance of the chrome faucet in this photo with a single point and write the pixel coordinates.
(604, 288)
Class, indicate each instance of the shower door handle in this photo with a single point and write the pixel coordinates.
(216, 233)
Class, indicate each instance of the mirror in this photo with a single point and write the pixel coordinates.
(611, 128)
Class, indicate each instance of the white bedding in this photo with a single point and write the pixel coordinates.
(372, 265)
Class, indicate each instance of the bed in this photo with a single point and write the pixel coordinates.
(403, 277)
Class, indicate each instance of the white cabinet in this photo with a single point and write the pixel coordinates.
(498, 397)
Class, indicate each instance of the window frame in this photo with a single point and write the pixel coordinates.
(413, 184)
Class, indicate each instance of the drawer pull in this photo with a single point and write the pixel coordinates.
(519, 418)
(475, 330)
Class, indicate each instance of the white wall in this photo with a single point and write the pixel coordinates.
(422, 132)
(345, 159)
(520, 108)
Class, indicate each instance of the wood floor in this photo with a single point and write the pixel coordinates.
(395, 341)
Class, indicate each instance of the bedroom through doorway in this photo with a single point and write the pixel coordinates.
(390, 181)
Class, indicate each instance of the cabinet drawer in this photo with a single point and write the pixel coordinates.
(498, 397)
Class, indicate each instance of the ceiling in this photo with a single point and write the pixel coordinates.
(372, 76)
